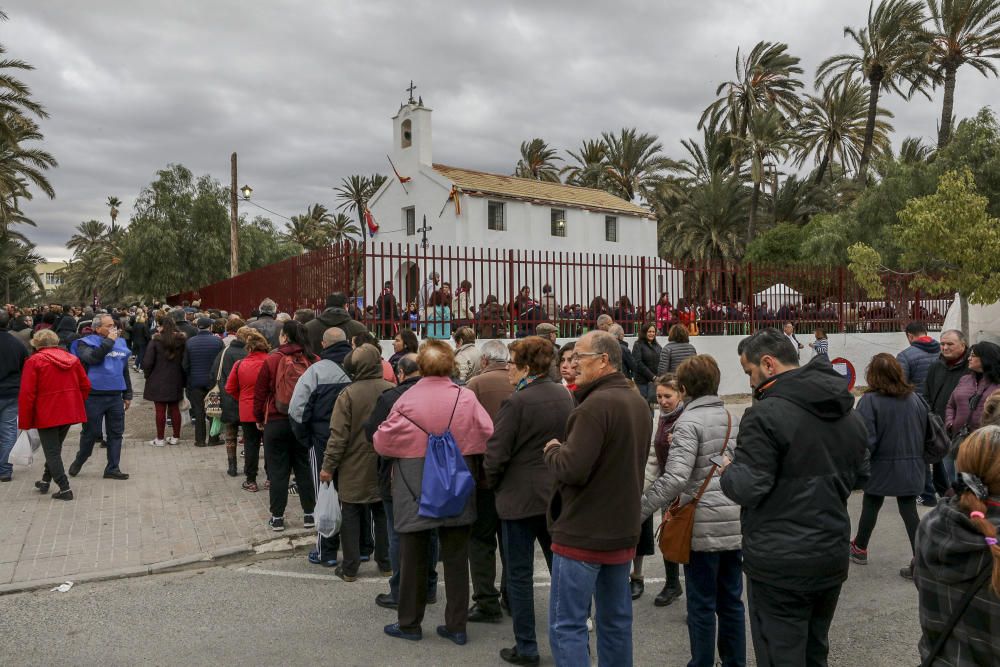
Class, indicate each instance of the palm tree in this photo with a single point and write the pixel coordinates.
(889, 55)
(355, 192)
(302, 230)
(767, 140)
(765, 79)
(538, 161)
(715, 155)
(22, 167)
(113, 204)
(964, 32)
(634, 164)
(834, 126)
(89, 236)
(590, 170)
(15, 97)
(342, 228)
(913, 150)
(707, 226)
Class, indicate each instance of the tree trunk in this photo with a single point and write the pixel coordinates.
(963, 309)
(948, 106)
(825, 163)
(874, 82)
(754, 199)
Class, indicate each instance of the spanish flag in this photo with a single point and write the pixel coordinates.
(370, 221)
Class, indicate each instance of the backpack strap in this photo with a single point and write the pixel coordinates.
(446, 428)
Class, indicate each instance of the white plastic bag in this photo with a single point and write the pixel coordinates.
(327, 512)
(23, 452)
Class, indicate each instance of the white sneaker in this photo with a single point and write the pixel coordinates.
(171, 440)
(157, 442)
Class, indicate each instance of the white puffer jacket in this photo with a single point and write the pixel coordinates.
(697, 436)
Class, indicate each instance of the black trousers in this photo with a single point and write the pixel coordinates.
(870, 507)
(283, 454)
(196, 395)
(790, 628)
(484, 540)
(350, 531)
(52, 440)
(413, 566)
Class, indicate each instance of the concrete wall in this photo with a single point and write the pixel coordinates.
(856, 348)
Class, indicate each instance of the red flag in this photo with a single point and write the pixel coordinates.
(370, 221)
(402, 179)
(455, 192)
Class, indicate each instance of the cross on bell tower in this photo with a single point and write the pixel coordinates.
(411, 89)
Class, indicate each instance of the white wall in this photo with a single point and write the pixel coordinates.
(856, 348)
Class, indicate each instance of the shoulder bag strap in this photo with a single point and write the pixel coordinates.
(957, 614)
(725, 444)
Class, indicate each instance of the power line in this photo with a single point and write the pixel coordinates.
(283, 217)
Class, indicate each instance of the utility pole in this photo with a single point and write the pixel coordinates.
(234, 249)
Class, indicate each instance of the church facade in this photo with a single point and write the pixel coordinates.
(469, 208)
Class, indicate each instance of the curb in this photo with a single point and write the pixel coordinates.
(270, 548)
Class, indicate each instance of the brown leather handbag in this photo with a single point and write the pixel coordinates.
(677, 528)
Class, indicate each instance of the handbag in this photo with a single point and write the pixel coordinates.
(936, 440)
(677, 528)
(213, 399)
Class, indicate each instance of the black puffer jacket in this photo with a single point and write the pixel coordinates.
(228, 356)
(801, 451)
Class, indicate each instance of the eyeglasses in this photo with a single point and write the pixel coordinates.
(577, 355)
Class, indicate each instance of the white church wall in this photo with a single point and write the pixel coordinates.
(856, 348)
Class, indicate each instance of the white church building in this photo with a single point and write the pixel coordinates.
(470, 209)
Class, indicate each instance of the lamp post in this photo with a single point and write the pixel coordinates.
(234, 241)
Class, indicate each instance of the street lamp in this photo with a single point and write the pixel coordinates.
(247, 191)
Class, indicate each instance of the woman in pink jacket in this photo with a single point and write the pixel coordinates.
(432, 406)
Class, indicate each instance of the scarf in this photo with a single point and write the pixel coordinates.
(660, 443)
(525, 381)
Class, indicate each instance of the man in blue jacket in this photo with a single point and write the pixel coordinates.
(105, 356)
(917, 359)
(199, 356)
(309, 412)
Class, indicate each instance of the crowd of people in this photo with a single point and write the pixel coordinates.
(437, 310)
(470, 452)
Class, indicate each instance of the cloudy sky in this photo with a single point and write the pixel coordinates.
(304, 91)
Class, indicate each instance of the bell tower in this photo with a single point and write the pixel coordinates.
(411, 134)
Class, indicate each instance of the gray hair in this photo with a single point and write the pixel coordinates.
(283, 317)
(617, 331)
(603, 342)
(407, 365)
(495, 350)
(268, 306)
(333, 335)
(604, 318)
(957, 333)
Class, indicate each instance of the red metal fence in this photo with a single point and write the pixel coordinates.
(508, 292)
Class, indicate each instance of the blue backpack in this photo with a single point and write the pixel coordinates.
(447, 482)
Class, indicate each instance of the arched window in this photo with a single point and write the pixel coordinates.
(407, 134)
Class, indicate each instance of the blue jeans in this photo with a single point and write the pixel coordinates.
(8, 433)
(109, 410)
(715, 588)
(574, 584)
(519, 537)
(432, 557)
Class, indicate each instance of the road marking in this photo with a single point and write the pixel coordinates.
(254, 569)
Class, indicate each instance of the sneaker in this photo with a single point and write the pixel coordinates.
(293, 489)
(63, 494)
(156, 442)
(277, 523)
(171, 440)
(907, 572)
(459, 638)
(927, 502)
(308, 521)
(859, 556)
(393, 631)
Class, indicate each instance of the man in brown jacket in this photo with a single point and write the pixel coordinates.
(349, 451)
(594, 513)
(492, 387)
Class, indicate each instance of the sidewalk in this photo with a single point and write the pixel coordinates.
(178, 503)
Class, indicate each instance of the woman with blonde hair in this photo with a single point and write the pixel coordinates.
(53, 389)
(957, 562)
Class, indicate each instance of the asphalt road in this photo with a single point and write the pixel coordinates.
(287, 612)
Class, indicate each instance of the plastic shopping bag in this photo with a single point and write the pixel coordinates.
(23, 454)
(327, 513)
(216, 427)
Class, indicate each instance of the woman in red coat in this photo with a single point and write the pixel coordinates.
(240, 385)
(54, 387)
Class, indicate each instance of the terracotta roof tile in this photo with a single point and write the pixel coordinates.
(479, 183)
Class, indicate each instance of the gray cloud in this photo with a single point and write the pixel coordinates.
(304, 91)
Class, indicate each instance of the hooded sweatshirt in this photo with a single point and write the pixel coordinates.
(801, 450)
(917, 359)
(332, 317)
(54, 387)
